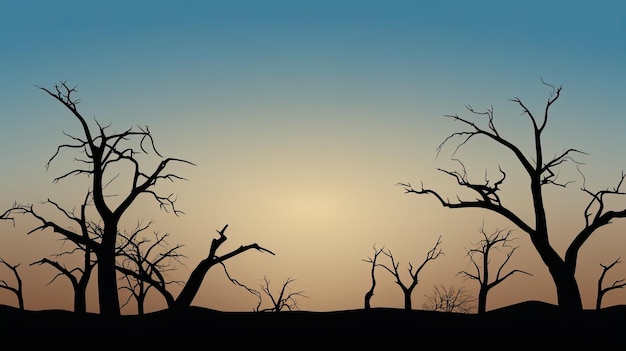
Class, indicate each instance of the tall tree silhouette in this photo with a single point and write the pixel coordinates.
(483, 248)
(407, 290)
(541, 172)
(102, 150)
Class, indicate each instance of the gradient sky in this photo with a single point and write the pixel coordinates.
(301, 117)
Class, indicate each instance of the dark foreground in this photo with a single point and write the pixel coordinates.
(528, 321)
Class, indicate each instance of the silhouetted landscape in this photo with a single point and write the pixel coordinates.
(308, 127)
(526, 321)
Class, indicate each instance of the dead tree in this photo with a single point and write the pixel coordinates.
(83, 243)
(100, 151)
(541, 172)
(192, 285)
(413, 273)
(370, 293)
(450, 299)
(284, 300)
(618, 284)
(17, 290)
(497, 239)
(147, 258)
(194, 282)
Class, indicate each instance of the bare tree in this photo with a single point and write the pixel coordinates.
(497, 239)
(101, 151)
(370, 293)
(284, 300)
(83, 243)
(413, 273)
(194, 282)
(152, 258)
(450, 299)
(192, 286)
(16, 290)
(541, 172)
(618, 284)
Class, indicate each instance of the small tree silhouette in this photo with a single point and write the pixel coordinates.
(78, 277)
(370, 293)
(148, 258)
(498, 239)
(450, 299)
(618, 284)
(413, 273)
(284, 299)
(16, 290)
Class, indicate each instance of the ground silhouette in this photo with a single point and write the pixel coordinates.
(523, 322)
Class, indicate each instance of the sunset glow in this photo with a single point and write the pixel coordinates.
(301, 118)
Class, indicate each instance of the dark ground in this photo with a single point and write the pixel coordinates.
(521, 323)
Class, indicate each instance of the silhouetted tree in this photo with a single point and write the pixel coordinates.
(413, 273)
(152, 258)
(370, 293)
(16, 290)
(192, 286)
(618, 284)
(541, 172)
(83, 242)
(450, 299)
(102, 150)
(284, 299)
(497, 239)
(194, 282)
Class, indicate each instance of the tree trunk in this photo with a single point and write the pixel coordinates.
(407, 301)
(193, 284)
(80, 301)
(107, 274)
(482, 299)
(568, 293)
(368, 297)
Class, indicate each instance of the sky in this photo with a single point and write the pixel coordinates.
(301, 118)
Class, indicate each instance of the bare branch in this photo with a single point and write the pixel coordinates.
(617, 284)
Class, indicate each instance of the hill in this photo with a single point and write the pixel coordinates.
(528, 321)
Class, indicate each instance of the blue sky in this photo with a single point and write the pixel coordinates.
(301, 117)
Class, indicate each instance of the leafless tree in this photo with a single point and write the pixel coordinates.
(541, 172)
(450, 299)
(618, 284)
(17, 290)
(497, 239)
(192, 285)
(101, 151)
(284, 300)
(152, 258)
(196, 277)
(83, 243)
(370, 293)
(413, 273)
